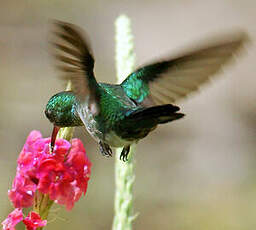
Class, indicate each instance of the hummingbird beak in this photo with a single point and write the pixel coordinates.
(54, 135)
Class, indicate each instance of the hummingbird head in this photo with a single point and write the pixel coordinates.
(61, 110)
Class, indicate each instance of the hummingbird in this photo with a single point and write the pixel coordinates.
(118, 115)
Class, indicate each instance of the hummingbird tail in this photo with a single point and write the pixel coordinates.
(161, 114)
(141, 122)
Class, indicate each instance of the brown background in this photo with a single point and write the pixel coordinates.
(197, 173)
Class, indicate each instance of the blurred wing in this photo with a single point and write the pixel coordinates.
(167, 81)
(75, 60)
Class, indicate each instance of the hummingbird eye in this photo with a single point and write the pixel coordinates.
(48, 113)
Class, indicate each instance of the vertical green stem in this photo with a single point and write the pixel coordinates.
(124, 171)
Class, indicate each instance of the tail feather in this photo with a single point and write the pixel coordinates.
(141, 122)
(161, 114)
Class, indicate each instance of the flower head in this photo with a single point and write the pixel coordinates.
(63, 174)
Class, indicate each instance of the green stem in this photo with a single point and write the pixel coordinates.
(124, 171)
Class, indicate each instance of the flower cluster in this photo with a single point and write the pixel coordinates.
(32, 221)
(61, 175)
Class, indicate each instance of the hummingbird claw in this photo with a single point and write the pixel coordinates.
(124, 154)
(105, 149)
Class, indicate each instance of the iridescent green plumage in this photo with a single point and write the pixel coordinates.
(61, 110)
(119, 115)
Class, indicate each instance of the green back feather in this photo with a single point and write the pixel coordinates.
(136, 84)
(114, 105)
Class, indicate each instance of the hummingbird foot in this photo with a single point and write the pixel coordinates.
(105, 149)
(124, 154)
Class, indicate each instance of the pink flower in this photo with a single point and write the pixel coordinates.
(63, 174)
(34, 221)
(65, 180)
(22, 192)
(81, 165)
(13, 219)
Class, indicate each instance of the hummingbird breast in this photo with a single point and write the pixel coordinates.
(98, 132)
(89, 121)
(114, 140)
(113, 107)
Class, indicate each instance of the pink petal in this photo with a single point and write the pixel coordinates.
(34, 221)
(22, 192)
(13, 219)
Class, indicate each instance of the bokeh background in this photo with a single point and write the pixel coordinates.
(196, 173)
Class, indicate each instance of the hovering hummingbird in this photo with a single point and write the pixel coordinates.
(118, 115)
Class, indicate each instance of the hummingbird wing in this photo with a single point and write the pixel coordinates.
(74, 58)
(165, 82)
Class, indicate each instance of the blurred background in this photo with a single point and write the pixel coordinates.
(194, 174)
